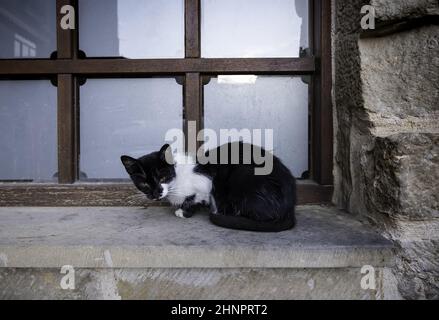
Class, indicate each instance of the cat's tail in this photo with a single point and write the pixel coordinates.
(243, 223)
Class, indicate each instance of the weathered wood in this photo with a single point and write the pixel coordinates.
(321, 119)
(67, 128)
(67, 46)
(326, 124)
(192, 105)
(72, 195)
(119, 67)
(114, 194)
(192, 28)
(66, 39)
(313, 193)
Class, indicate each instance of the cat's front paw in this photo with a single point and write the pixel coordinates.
(179, 213)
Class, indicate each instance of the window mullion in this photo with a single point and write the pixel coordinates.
(192, 28)
(322, 132)
(67, 46)
(67, 151)
(66, 39)
(192, 105)
(192, 86)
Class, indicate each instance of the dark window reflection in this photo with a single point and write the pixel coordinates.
(27, 28)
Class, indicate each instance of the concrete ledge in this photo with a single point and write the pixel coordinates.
(122, 237)
(204, 283)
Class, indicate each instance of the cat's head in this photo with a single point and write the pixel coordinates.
(152, 173)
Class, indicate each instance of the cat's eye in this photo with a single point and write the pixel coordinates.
(144, 185)
(138, 176)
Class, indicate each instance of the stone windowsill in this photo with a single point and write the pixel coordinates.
(126, 237)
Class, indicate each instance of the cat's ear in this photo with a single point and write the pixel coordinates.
(166, 154)
(131, 165)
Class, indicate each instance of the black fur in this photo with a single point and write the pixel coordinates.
(148, 172)
(189, 206)
(248, 201)
(243, 200)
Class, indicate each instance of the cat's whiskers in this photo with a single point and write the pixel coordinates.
(175, 191)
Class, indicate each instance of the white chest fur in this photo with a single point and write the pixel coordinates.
(187, 183)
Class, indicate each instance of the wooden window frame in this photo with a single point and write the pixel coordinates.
(67, 68)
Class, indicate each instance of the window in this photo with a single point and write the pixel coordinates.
(133, 69)
(132, 29)
(124, 116)
(254, 28)
(28, 130)
(262, 102)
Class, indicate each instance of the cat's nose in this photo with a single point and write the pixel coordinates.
(157, 194)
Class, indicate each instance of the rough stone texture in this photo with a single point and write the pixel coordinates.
(148, 253)
(226, 284)
(350, 116)
(389, 10)
(153, 237)
(386, 99)
(402, 177)
(400, 81)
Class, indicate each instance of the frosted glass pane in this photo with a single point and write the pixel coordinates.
(262, 102)
(28, 134)
(132, 28)
(125, 116)
(253, 28)
(27, 28)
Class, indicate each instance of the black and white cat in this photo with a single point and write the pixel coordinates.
(238, 199)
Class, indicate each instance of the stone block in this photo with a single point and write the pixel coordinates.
(402, 179)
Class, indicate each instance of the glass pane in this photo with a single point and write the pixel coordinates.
(132, 28)
(28, 134)
(262, 102)
(253, 28)
(27, 28)
(125, 116)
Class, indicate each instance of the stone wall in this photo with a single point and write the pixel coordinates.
(386, 110)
